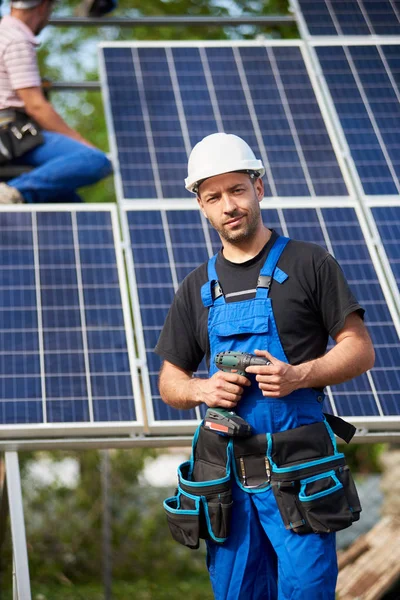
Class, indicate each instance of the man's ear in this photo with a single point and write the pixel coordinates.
(201, 206)
(259, 187)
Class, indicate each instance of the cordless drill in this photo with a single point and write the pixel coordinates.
(227, 422)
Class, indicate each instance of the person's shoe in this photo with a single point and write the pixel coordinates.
(10, 195)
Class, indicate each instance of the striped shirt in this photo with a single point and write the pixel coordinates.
(18, 63)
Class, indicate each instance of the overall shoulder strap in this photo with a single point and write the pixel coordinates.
(211, 291)
(268, 269)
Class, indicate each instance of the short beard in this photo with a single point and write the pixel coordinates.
(244, 234)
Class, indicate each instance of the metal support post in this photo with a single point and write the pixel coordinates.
(106, 529)
(3, 512)
(21, 581)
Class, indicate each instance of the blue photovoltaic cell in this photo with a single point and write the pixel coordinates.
(351, 17)
(63, 347)
(358, 397)
(364, 84)
(387, 219)
(338, 229)
(157, 278)
(346, 241)
(164, 100)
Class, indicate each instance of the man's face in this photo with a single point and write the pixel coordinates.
(231, 202)
(44, 12)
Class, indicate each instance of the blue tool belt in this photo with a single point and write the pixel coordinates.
(201, 507)
(311, 482)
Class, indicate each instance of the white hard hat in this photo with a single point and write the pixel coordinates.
(220, 153)
(25, 4)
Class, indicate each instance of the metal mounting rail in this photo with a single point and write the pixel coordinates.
(96, 443)
(74, 85)
(362, 436)
(163, 20)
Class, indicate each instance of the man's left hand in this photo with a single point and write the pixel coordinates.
(277, 379)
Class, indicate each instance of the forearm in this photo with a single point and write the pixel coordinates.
(352, 355)
(180, 392)
(49, 119)
(343, 362)
(180, 389)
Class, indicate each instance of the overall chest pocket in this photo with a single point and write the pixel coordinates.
(247, 318)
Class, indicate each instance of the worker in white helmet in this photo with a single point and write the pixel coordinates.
(280, 299)
(32, 133)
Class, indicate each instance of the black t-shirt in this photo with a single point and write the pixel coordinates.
(310, 305)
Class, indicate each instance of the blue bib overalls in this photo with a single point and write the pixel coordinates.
(261, 560)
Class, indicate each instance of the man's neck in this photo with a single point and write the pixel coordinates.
(26, 17)
(247, 249)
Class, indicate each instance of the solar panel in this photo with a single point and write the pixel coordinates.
(162, 99)
(387, 221)
(66, 357)
(363, 81)
(350, 17)
(168, 241)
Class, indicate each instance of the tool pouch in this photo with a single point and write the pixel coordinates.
(18, 136)
(251, 466)
(201, 507)
(312, 484)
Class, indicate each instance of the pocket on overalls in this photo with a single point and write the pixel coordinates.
(215, 503)
(324, 503)
(218, 509)
(252, 470)
(312, 484)
(236, 324)
(202, 506)
(183, 519)
(345, 476)
(287, 499)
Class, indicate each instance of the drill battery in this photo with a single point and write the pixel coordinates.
(226, 422)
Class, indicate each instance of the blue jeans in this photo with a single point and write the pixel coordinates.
(62, 165)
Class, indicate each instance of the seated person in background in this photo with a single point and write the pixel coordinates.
(65, 160)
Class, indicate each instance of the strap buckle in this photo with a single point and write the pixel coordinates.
(217, 290)
(264, 281)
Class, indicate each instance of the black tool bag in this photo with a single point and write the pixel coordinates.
(201, 507)
(312, 484)
(18, 136)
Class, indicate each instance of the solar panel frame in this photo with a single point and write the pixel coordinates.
(155, 427)
(356, 186)
(379, 243)
(332, 17)
(350, 176)
(84, 428)
(381, 423)
(135, 46)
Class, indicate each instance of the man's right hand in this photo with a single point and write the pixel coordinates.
(180, 389)
(222, 390)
